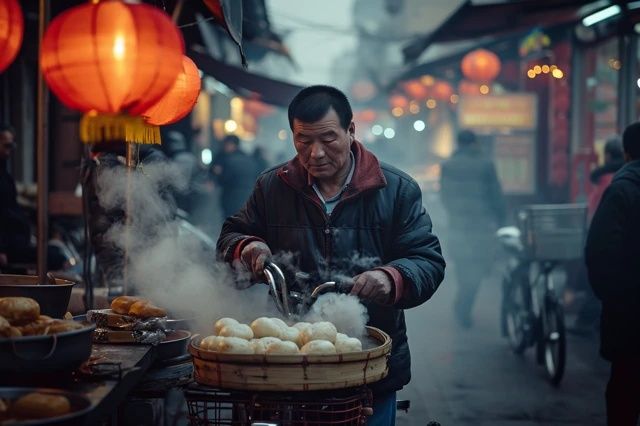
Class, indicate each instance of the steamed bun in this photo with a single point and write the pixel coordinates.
(210, 343)
(265, 327)
(223, 322)
(350, 344)
(280, 323)
(242, 331)
(292, 334)
(323, 330)
(282, 348)
(319, 347)
(302, 325)
(234, 345)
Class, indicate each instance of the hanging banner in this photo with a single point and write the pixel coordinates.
(498, 112)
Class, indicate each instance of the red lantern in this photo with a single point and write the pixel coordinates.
(416, 90)
(442, 91)
(11, 31)
(179, 100)
(398, 101)
(468, 88)
(481, 66)
(111, 56)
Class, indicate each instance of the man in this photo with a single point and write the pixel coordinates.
(612, 256)
(472, 196)
(334, 200)
(236, 174)
(15, 231)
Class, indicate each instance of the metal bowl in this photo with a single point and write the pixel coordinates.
(46, 354)
(80, 406)
(52, 298)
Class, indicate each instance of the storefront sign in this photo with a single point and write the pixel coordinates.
(498, 112)
(515, 160)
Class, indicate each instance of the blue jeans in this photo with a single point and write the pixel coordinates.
(384, 411)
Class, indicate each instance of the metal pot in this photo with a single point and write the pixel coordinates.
(80, 406)
(46, 354)
(174, 346)
(53, 298)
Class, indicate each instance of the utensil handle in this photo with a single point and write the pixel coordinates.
(344, 287)
(26, 358)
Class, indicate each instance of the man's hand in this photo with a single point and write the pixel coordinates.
(374, 286)
(254, 256)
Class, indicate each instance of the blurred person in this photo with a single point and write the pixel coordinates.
(473, 199)
(587, 319)
(15, 228)
(611, 254)
(335, 199)
(178, 152)
(260, 160)
(110, 259)
(235, 172)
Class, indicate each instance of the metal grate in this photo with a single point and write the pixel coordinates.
(555, 231)
(211, 406)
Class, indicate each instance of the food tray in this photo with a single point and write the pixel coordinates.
(292, 372)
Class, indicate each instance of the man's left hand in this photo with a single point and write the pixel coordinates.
(374, 286)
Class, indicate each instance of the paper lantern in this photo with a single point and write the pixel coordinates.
(179, 100)
(11, 31)
(111, 56)
(442, 91)
(481, 66)
(365, 116)
(416, 90)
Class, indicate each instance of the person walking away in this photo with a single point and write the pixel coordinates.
(612, 256)
(473, 199)
(235, 172)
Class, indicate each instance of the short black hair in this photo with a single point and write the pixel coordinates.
(233, 139)
(466, 137)
(631, 140)
(613, 147)
(313, 102)
(6, 127)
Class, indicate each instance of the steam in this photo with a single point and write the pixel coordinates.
(345, 312)
(172, 268)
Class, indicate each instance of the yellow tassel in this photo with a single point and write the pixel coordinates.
(95, 128)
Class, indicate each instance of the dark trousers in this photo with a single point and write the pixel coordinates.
(623, 393)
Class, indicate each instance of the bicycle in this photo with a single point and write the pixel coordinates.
(532, 313)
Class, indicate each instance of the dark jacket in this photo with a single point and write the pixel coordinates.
(238, 173)
(600, 178)
(15, 231)
(380, 219)
(613, 262)
(471, 193)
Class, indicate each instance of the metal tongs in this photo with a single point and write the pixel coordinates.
(293, 303)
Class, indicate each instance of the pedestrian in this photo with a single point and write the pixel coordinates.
(587, 318)
(235, 172)
(15, 228)
(180, 155)
(612, 254)
(334, 199)
(473, 199)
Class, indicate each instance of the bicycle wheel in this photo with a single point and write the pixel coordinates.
(555, 340)
(515, 315)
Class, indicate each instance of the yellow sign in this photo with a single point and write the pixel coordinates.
(512, 111)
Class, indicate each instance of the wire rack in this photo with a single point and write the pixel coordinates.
(211, 406)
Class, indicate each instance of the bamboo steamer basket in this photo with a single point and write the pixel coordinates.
(292, 372)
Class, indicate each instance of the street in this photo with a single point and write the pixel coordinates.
(471, 377)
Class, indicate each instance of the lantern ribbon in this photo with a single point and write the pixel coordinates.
(95, 128)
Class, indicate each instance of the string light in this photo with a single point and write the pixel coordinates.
(554, 70)
(484, 89)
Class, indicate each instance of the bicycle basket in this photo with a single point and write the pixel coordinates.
(554, 231)
(212, 406)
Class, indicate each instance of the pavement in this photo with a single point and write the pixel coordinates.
(471, 376)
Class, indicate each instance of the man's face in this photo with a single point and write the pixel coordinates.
(6, 144)
(323, 146)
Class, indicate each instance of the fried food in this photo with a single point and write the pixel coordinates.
(40, 406)
(19, 310)
(4, 323)
(145, 309)
(61, 326)
(122, 304)
(10, 332)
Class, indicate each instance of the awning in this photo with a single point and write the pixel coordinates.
(474, 21)
(245, 83)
